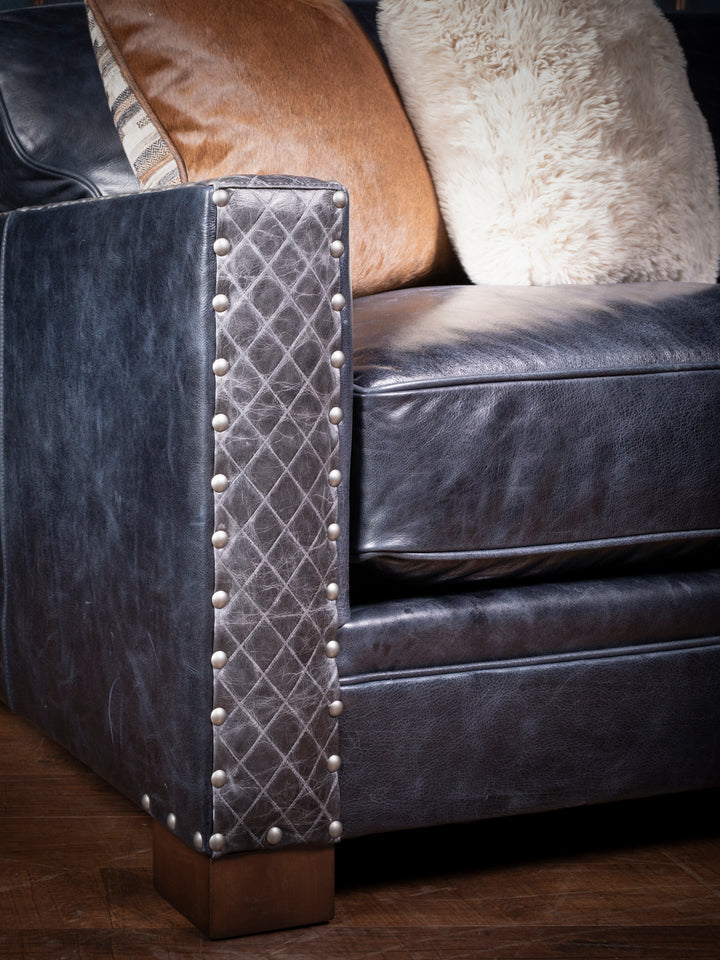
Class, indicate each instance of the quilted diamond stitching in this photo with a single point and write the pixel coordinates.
(277, 335)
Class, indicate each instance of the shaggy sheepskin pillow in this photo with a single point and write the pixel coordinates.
(563, 139)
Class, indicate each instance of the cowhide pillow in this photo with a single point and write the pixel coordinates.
(204, 88)
(563, 139)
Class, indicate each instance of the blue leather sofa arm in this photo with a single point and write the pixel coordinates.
(176, 416)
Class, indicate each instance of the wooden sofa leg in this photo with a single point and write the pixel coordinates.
(245, 893)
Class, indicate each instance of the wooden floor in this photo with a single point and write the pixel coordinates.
(636, 880)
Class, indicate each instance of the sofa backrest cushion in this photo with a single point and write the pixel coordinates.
(291, 87)
(57, 141)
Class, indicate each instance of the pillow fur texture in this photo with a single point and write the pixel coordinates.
(206, 88)
(563, 139)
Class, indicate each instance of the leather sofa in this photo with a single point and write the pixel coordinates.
(285, 568)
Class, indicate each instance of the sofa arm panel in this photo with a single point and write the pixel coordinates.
(161, 623)
(281, 529)
(107, 512)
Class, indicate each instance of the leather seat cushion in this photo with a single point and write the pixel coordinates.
(535, 431)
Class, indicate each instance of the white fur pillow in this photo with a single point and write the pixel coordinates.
(563, 139)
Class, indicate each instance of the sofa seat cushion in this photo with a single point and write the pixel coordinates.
(539, 431)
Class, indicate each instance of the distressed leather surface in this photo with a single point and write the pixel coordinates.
(530, 620)
(108, 622)
(536, 431)
(57, 140)
(278, 335)
(515, 737)
(107, 513)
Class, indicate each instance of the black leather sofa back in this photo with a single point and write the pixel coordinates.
(699, 36)
(57, 138)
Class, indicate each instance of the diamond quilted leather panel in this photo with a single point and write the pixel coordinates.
(277, 335)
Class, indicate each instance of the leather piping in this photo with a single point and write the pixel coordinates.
(410, 386)
(464, 669)
(544, 548)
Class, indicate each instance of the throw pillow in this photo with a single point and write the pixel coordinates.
(202, 88)
(563, 139)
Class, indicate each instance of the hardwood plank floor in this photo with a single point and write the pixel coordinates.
(635, 880)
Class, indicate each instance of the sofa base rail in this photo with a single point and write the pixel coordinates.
(511, 737)
(245, 893)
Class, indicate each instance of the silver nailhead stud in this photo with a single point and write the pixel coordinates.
(219, 599)
(274, 835)
(332, 591)
(337, 248)
(334, 478)
(220, 303)
(221, 198)
(332, 649)
(222, 246)
(336, 829)
(335, 416)
(198, 841)
(333, 531)
(339, 199)
(171, 821)
(335, 708)
(218, 716)
(219, 659)
(216, 842)
(338, 301)
(220, 539)
(220, 367)
(334, 763)
(219, 778)
(145, 802)
(337, 359)
(219, 482)
(220, 422)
